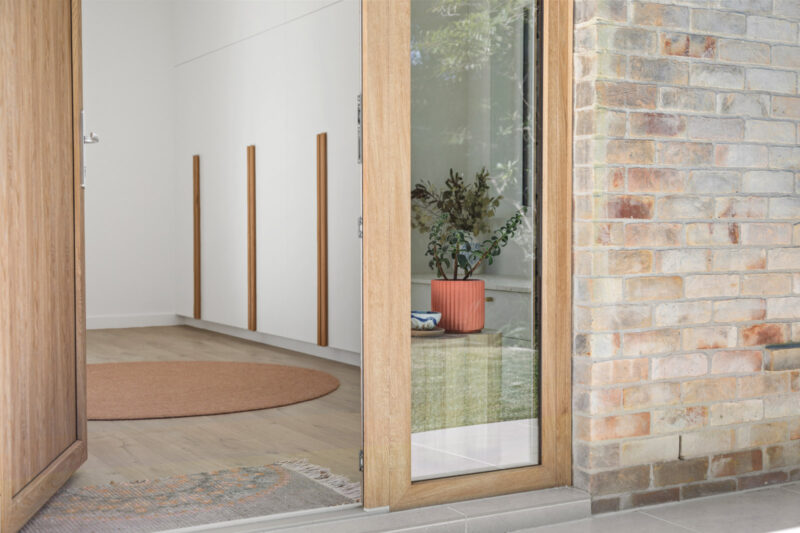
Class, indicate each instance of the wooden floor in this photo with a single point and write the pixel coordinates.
(325, 431)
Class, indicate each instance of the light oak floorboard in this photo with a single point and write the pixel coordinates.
(325, 431)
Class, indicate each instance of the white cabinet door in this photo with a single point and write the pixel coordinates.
(339, 84)
(286, 197)
(211, 124)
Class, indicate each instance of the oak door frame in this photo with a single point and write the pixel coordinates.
(387, 272)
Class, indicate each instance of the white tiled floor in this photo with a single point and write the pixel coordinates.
(769, 509)
(460, 450)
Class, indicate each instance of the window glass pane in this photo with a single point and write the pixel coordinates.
(475, 384)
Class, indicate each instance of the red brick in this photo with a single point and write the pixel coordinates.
(764, 334)
(655, 180)
(734, 464)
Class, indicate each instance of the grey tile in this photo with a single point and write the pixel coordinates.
(635, 522)
(523, 500)
(794, 487)
(413, 520)
(525, 518)
(747, 512)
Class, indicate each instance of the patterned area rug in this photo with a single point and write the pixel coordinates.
(194, 499)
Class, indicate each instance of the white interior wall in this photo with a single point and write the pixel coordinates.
(263, 73)
(128, 87)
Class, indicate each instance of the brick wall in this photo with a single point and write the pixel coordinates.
(687, 247)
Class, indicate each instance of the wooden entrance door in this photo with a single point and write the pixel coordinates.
(42, 353)
(387, 88)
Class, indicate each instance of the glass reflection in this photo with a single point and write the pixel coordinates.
(474, 356)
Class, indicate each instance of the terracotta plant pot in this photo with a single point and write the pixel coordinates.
(461, 303)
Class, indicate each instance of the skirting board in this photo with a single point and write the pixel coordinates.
(131, 321)
(326, 352)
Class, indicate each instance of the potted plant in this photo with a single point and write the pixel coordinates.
(455, 218)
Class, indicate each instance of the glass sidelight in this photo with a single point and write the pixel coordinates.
(474, 347)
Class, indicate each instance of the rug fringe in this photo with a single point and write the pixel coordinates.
(324, 476)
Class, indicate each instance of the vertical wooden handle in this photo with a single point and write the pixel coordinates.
(322, 239)
(251, 237)
(196, 201)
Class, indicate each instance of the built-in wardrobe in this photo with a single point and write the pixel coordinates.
(274, 90)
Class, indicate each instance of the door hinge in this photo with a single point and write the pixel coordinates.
(360, 136)
(360, 227)
(361, 460)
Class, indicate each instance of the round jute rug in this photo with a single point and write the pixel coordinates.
(131, 391)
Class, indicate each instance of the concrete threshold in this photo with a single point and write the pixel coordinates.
(492, 515)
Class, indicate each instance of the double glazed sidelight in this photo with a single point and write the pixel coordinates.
(475, 357)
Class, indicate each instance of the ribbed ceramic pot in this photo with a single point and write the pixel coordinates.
(461, 302)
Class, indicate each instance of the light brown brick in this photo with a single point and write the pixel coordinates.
(766, 284)
(682, 206)
(765, 234)
(651, 342)
(654, 288)
(711, 285)
(739, 259)
(712, 234)
(761, 434)
(764, 385)
(615, 427)
(653, 234)
(713, 181)
(707, 442)
(657, 125)
(685, 154)
(679, 419)
(683, 260)
(786, 106)
(626, 95)
(630, 261)
(783, 308)
(680, 366)
(615, 318)
(782, 406)
(651, 14)
(742, 207)
(727, 413)
(741, 155)
(707, 338)
(739, 310)
(784, 359)
(743, 51)
(652, 395)
(597, 345)
(736, 362)
(718, 129)
(708, 390)
(682, 313)
(630, 152)
(783, 455)
(659, 70)
(619, 371)
(684, 99)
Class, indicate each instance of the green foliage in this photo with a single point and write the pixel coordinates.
(470, 33)
(468, 206)
(449, 246)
